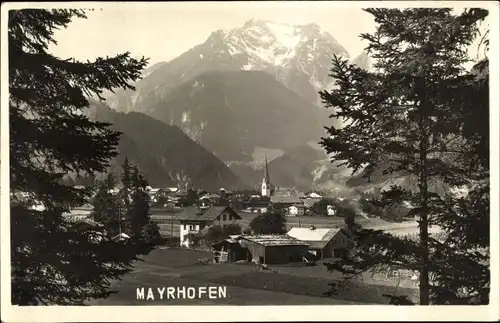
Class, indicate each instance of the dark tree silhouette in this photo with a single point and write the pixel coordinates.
(421, 114)
(269, 223)
(54, 261)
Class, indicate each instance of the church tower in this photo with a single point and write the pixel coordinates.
(266, 185)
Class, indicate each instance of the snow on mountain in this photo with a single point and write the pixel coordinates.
(295, 54)
(299, 56)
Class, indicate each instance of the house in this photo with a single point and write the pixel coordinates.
(201, 219)
(121, 237)
(308, 204)
(296, 210)
(156, 194)
(258, 205)
(229, 250)
(330, 210)
(181, 193)
(314, 195)
(273, 249)
(284, 201)
(323, 242)
(209, 200)
(114, 191)
(223, 193)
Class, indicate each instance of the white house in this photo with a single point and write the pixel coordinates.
(296, 210)
(198, 222)
(330, 210)
(114, 191)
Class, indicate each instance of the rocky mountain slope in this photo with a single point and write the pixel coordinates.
(231, 113)
(164, 154)
(297, 55)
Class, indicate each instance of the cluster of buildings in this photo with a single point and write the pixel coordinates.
(289, 202)
(166, 197)
(298, 245)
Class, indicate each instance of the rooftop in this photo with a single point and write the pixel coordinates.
(274, 240)
(309, 202)
(317, 234)
(285, 199)
(209, 214)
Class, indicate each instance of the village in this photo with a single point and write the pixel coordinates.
(314, 237)
(185, 217)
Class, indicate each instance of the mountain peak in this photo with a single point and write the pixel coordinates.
(297, 55)
(278, 43)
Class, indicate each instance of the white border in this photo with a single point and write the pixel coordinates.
(252, 313)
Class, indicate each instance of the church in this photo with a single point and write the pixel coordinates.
(266, 188)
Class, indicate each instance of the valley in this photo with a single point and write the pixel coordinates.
(244, 95)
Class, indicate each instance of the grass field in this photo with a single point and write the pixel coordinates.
(246, 285)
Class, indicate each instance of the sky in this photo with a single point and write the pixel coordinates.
(165, 31)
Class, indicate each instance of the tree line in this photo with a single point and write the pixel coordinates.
(421, 114)
(53, 260)
(126, 211)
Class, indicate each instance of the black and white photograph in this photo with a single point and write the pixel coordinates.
(223, 160)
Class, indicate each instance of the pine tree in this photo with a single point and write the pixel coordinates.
(408, 118)
(139, 208)
(145, 232)
(106, 207)
(54, 261)
(269, 223)
(126, 179)
(191, 197)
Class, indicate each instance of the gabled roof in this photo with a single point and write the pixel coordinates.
(258, 203)
(121, 236)
(211, 213)
(209, 196)
(285, 199)
(317, 238)
(309, 202)
(228, 240)
(314, 237)
(274, 240)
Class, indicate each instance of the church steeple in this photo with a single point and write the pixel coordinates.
(266, 184)
(266, 174)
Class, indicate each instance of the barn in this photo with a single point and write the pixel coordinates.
(228, 250)
(323, 242)
(273, 249)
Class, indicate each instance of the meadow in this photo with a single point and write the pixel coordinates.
(292, 284)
